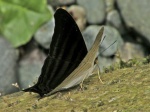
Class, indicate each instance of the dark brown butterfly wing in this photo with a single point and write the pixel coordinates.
(67, 50)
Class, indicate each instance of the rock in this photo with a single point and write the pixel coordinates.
(113, 19)
(30, 68)
(136, 15)
(131, 50)
(95, 10)
(44, 34)
(104, 62)
(111, 34)
(109, 5)
(8, 59)
(107, 48)
(78, 13)
(89, 35)
(60, 2)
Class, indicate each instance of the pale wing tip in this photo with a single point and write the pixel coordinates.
(102, 29)
(101, 32)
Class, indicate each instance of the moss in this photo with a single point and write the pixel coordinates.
(124, 90)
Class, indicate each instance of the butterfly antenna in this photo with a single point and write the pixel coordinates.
(109, 46)
(102, 40)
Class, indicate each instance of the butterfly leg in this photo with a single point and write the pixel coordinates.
(98, 73)
(100, 77)
(81, 84)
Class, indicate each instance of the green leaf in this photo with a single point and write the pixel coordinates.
(19, 19)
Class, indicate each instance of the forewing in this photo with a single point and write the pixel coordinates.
(67, 50)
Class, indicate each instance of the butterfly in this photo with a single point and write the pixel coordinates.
(68, 61)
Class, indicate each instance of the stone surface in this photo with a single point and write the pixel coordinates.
(136, 15)
(89, 35)
(8, 59)
(108, 44)
(113, 19)
(110, 5)
(131, 50)
(104, 62)
(78, 13)
(44, 34)
(95, 10)
(60, 2)
(111, 34)
(30, 68)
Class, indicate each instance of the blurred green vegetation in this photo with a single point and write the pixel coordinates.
(19, 19)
